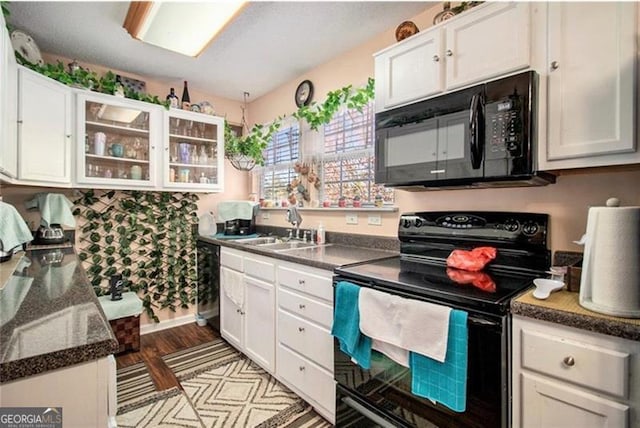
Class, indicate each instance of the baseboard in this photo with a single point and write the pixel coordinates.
(165, 324)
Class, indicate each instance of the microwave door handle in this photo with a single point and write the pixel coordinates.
(474, 131)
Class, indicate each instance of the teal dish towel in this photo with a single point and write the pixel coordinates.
(444, 382)
(346, 324)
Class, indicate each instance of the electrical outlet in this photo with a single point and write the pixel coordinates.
(375, 220)
(266, 216)
(352, 218)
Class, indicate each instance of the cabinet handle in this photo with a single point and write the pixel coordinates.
(555, 65)
(436, 58)
(301, 281)
(569, 361)
(301, 306)
(301, 368)
(301, 329)
(20, 121)
(449, 53)
(68, 135)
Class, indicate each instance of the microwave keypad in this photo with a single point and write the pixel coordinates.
(504, 126)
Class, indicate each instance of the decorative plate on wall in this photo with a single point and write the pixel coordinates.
(26, 46)
(406, 29)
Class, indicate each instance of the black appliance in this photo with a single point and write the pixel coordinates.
(382, 395)
(483, 136)
(239, 227)
(209, 282)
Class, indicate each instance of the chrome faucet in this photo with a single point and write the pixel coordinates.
(294, 217)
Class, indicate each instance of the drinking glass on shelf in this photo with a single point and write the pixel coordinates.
(176, 126)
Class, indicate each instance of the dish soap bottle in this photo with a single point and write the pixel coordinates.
(320, 236)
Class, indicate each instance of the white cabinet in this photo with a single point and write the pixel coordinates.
(44, 130)
(247, 305)
(193, 157)
(486, 42)
(568, 377)
(116, 144)
(589, 80)
(305, 345)
(8, 106)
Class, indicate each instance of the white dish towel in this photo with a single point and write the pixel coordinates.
(233, 286)
(408, 324)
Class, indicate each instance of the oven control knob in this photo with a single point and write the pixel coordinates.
(418, 222)
(530, 228)
(406, 223)
(511, 225)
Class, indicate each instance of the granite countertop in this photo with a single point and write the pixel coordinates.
(49, 315)
(328, 256)
(562, 307)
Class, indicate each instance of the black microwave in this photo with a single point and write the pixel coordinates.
(482, 136)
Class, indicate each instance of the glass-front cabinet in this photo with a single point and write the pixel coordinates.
(117, 141)
(194, 151)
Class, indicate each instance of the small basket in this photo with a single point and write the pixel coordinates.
(127, 332)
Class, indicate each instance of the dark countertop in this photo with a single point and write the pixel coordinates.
(49, 315)
(562, 307)
(327, 256)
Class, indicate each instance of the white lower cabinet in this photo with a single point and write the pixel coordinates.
(279, 314)
(247, 305)
(565, 377)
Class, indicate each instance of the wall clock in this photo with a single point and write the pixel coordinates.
(304, 93)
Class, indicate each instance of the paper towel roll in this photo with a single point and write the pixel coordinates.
(610, 280)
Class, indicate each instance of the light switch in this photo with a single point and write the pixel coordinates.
(375, 220)
(352, 218)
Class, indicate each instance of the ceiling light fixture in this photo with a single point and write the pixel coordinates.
(183, 27)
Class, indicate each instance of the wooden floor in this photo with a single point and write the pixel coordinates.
(154, 346)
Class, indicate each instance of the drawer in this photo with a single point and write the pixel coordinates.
(231, 259)
(308, 378)
(306, 307)
(311, 341)
(601, 369)
(260, 268)
(309, 283)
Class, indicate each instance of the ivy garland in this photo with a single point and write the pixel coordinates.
(148, 237)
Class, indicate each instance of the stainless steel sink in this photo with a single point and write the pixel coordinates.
(265, 240)
(281, 246)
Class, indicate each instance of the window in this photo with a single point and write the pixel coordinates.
(348, 165)
(280, 155)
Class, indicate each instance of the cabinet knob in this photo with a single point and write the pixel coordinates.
(301, 306)
(68, 135)
(301, 368)
(569, 361)
(449, 52)
(238, 311)
(436, 58)
(301, 329)
(301, 281)
(554, 65)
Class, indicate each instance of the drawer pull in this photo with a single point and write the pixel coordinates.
(301, 281)
(300, 329)
(301, 368)
(568, 361)
(301, 306)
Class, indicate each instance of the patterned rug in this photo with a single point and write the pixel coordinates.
(167, 409)
(134, 384)
(193, 361)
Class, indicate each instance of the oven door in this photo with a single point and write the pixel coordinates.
(385, 389)
(436, 142)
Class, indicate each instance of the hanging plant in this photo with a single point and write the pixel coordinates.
(148, 237)
(251, 145)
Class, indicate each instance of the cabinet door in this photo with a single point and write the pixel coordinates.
(116, 144)
(259, 328)
(591, 80)
(8, 106)
(193, 157)
(44, 132)
(547, 404)
(487, 43)
(410, 71)
(231, 318)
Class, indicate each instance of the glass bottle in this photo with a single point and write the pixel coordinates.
(203, 178)
(204, 159)
(174, 102)
(186, 100)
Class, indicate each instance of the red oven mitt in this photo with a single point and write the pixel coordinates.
(479, 280)
(474, 260)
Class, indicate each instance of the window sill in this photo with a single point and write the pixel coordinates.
(388, 209)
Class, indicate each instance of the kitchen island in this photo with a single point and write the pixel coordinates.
(54, 338)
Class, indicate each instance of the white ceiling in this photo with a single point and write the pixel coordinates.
(267, 45)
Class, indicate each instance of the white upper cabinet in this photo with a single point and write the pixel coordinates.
(483, 43)
(488, 42)
(591, 84)
(8, 106)
(44, 130)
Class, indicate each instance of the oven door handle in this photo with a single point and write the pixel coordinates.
(482, 321)
(475, 130)
(367, 413)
